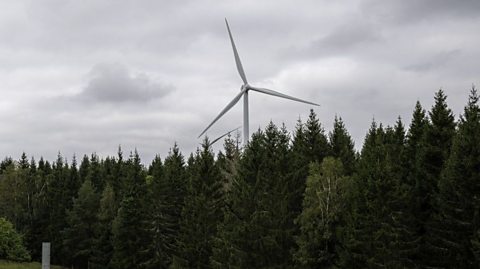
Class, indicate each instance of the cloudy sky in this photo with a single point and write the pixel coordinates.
(87, 76)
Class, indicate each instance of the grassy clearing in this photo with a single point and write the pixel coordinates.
(24, 265)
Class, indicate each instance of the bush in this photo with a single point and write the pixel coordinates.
(11, 243)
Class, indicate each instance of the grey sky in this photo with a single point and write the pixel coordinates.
(87, 76)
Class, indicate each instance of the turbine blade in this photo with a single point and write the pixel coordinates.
(281, 95)
(222, 136)
(227, 108)
(237, 58)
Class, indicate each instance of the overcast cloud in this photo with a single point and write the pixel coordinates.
(87, 76)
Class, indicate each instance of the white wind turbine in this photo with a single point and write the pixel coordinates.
(244, 92)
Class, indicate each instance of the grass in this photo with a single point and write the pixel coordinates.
(24, 265)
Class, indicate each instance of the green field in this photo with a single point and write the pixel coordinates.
(24, 265)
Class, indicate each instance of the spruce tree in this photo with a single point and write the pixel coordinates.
(58, 203)
(376, 234)
(167, 197)
(128, 228)
(413, 144)
(79, 234)
(342, 145)
(233, 245)
(202, 211)
(411, 163)
(309, 145)
(103, 249)
(433, 154)
(258, 228)
(456, 223)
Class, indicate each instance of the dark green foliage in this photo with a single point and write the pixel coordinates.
(413, 144)
(103, 247)
(258, 227)
(406, 200)
(11, 243)
(309, 145)
(381, 234)
(57, 199)
(342, 146)
(167, 192)
(95, 174)
(129, 225)
(456, 221)
(434, 151)
(79, 235)
(202, 211)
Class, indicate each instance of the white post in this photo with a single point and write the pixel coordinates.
(46, 255)
(246, 134)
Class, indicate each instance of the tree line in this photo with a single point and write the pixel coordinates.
(408, 199)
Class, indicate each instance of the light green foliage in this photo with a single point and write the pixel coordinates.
(11, 243)
(322, 208)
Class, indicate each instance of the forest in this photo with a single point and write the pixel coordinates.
(306, 199)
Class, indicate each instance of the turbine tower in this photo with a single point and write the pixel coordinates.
(244, 92)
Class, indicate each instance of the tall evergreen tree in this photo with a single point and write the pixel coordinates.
(58, 200)
(342, 145)
(103, 249)
(433, 154)
(128, 227)
(309, 145)
(79, 235)
(202, 211)
(317, 144)
(456, 221)
(413, 143)
(257, 231)
(411, 163)
(378, 237)
(168, 191)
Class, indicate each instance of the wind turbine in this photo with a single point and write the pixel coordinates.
(244, 92)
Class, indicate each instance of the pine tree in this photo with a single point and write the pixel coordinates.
(317, 144)
(128, 228)
(377, 235)
(202, 211)
(103, 250)
(416, 132)
(309, 145)
(233, 244)
(433, 154)
(95, 174)
(228, 161)
(342, 145)
(168, 191)
(456, 222)
(411, 176)
(300, 162)
(58, 200)
(257, 231)
(79, 235)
